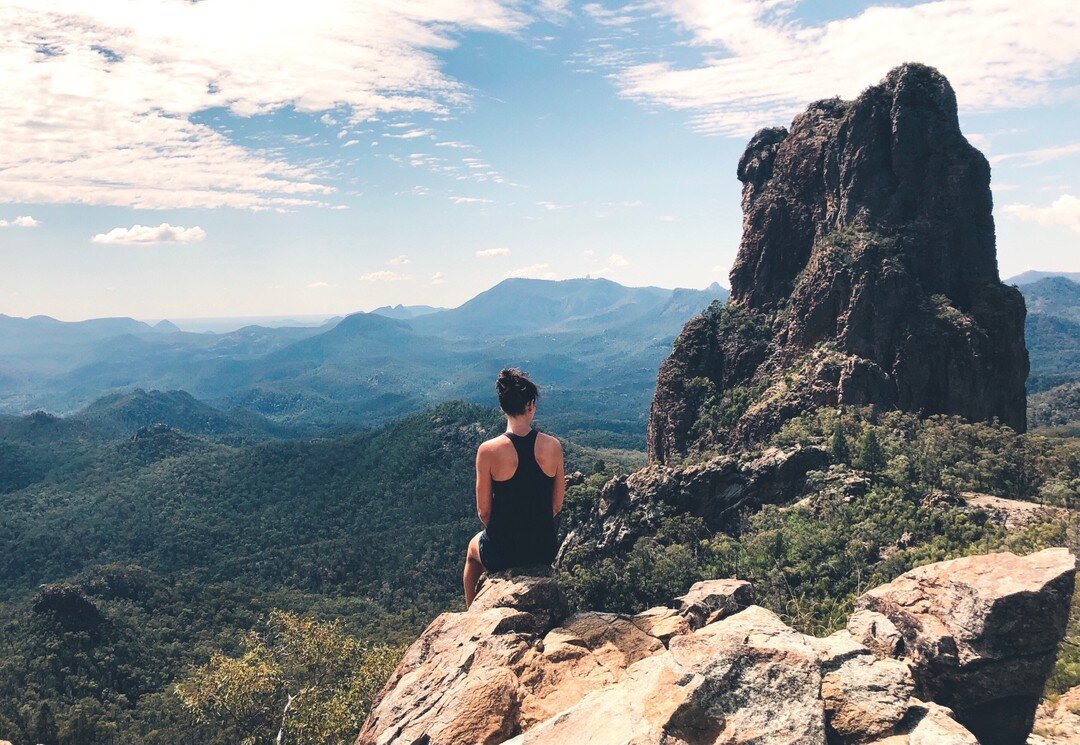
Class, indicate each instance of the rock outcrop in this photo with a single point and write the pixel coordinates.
(979, 636)
(717, 491)
(866, 275)
(941, 654)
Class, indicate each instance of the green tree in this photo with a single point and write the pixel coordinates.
(871, 456)
(839, 451)
(299, 682)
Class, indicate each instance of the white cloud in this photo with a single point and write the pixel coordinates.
(618, 260)
(144, 235)
(22, 221)
(437, 278)
(487, 253)
(411, 134)
(101, 99)
(551, 205)
(532, 271)
(399, 260)
(760, 66)
(608, 17)
(318, 285)
(385, 276)
(1038, 157)
(469, 200)
(1065, 211)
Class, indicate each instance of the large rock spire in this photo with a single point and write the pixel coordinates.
(867, 274)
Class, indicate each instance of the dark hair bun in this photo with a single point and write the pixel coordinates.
(515, 391)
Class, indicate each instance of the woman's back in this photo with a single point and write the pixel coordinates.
(521, 529)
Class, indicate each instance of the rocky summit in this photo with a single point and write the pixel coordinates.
(866, 275)
(953, 653)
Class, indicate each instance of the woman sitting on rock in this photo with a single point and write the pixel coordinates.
(519, 488)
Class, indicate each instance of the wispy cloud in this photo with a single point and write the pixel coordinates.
(551, 205)
(22, 221)
(1039, 156)
(144, 235)
(469, 200)
(412, 134)
(487, 253)
(136, 73)
(1064, 211)
(437, 278)
(753, 70)
(318, 285)
(385, 275)
(399, 260)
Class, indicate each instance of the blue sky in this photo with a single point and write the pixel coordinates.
(173, 159)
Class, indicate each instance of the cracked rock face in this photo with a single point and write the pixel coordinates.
(980, 636)
(866, 274)
(942, 654)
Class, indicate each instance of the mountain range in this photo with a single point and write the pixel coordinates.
(592, 344)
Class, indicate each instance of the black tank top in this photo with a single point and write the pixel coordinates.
(521, 526)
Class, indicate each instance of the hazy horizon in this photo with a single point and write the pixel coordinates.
(157, 164)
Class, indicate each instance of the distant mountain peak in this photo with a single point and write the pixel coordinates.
(1034, 275)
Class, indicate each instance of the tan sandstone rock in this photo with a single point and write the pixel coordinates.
(483, 676)
(661, 622)
(980, 634)
(714, 599)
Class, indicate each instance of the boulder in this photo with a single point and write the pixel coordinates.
(661, 622)
(512, 660)
(745, 679)
(530, 590)
(713, 600)
(979, 633)
(866, 698)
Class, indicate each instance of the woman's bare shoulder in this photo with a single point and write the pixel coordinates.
(548, 442)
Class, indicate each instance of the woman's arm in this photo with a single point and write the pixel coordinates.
(558, 489)
(483, 485)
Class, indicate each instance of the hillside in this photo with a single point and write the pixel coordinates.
(1052, 330)
(1056, 408)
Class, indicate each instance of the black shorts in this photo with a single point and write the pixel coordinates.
(495, 559)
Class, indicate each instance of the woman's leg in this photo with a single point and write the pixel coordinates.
(473, 569)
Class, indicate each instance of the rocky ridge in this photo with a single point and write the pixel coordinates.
(945, 654)
(866, 275)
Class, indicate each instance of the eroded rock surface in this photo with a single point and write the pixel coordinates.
(979, 633)
(971, 636)
(866, 274)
